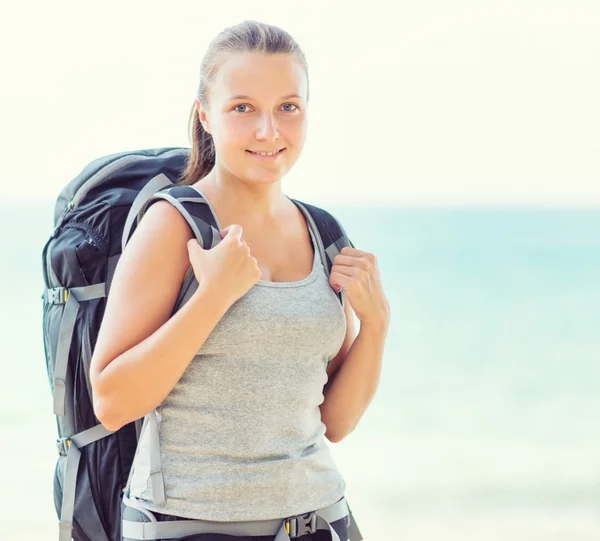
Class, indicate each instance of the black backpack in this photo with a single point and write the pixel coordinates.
(94, 216)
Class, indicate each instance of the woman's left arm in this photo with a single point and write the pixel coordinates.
(355, 371)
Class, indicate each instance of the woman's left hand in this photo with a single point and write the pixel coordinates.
(358, 274)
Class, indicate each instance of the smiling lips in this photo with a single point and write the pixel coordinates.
(272, 153)
(266, 156)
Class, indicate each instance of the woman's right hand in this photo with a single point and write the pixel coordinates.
(229, 266)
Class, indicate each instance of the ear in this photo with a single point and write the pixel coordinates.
(202, 114)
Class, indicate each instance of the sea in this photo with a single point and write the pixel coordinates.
(486, 422)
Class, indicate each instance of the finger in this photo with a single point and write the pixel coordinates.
(351, 261)
(194, 246)
(339, 281)
(347, 250)
(225, 231)
(353, 252)
(352, 272)
(234, 231)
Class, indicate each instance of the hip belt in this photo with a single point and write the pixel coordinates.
(283, 529)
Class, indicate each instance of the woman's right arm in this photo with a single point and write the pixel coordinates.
(141, 351)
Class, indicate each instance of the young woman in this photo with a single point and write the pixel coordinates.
(263, 363)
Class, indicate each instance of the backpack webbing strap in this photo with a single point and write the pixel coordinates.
(157, 183)
(353, 531)
(71, 299)
(71, 447)
(283, 529)
(156, 476)
(157, 483)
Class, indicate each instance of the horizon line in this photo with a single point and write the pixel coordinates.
(415, 204)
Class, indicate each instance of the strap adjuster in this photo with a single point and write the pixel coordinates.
(57, 295)
(301, 525)
(62, 445)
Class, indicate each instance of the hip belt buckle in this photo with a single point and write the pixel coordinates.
(301, 525)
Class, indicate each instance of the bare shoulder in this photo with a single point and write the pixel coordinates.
(162, 231)
(164, 220)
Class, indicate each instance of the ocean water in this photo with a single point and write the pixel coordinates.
(485, 424)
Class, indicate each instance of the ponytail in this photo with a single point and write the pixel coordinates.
(202, 155)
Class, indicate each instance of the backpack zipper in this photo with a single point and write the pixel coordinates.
(95, 241)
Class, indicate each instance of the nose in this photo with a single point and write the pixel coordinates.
(267, 129)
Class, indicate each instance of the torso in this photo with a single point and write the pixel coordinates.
(229, 396)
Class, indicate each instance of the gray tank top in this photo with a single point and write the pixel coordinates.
(241, 436)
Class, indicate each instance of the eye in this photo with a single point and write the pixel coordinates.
(236, 108)
(293, 105)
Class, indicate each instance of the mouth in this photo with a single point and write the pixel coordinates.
(267, 155)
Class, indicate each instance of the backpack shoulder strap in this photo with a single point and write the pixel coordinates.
(194, 209)
(330, 230)
(330, 234)
(197, 212)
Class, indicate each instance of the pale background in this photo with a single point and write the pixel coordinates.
(412, 102)
(459, 141)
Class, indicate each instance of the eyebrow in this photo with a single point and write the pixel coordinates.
(244, 97)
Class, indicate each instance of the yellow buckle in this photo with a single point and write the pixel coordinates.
(63, 446)
(58, 295)
(302, 525)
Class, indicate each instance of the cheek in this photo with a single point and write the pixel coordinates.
(233, 132)
(295, 129)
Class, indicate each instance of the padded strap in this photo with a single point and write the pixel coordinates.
(70, 476)
(331, 237)
(168, 197)
(157, 183)
(65, 336)
(198, 213)
(181, 528)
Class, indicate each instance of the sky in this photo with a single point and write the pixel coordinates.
(412, 103)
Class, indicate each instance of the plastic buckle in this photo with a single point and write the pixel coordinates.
(301, 525)
(63, 444)
(58, 295)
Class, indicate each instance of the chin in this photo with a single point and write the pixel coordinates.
(264, 176)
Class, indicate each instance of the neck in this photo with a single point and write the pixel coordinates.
(243, 200)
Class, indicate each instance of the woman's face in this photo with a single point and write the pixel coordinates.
(257, 103)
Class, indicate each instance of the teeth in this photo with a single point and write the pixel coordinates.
(266, 153)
